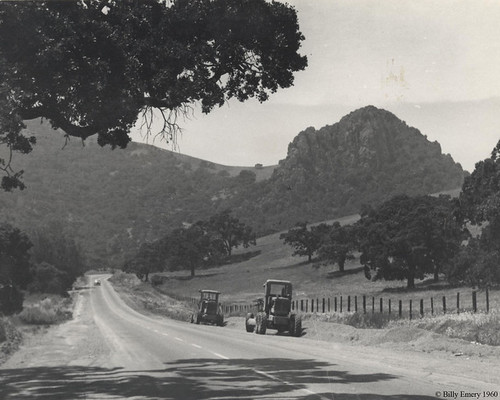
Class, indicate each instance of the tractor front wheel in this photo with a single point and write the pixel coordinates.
(248, 327)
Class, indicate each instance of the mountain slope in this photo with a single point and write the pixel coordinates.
(112, 201)
(367, 157)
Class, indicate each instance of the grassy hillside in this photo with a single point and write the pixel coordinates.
(113, 201)
(242, 282)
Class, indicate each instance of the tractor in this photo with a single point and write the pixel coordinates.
(275, 310)
(209, 310)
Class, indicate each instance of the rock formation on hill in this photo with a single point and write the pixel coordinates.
(366, 158)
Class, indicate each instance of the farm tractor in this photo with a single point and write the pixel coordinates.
(209, 309)
(275, 310)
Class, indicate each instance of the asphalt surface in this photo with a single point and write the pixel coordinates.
(110, 351)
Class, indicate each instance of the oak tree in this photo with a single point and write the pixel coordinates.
(231, 231)
(91, 67)
(337, 245)
(305, 242)
(406, 238)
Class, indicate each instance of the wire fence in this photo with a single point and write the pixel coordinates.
(473, 301)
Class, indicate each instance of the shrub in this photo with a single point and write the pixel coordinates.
(157, 280)
(363, 321)
(480, 328)
(46, 312)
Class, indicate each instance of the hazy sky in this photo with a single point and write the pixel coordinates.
(413, 58)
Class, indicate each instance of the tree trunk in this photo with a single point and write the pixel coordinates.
(436, 273)
(411, 280)
(341, 263)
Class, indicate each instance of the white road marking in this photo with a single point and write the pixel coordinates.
(179, 339)
(195, 345)
(219, 355)
(164, 334)
(269, 376)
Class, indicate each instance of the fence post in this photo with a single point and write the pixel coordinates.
(348, 303)
(307, 305)
(355, 303)
(340, 303)
(458, 302)
(364, 304)
(373, 304)
(381, 305)
(312, 305)
(421, 308)
(328, 304)
(301, 304)
(411, 310)
(389, 306)
(400, 311)
(444, 304)
(432, 305)
(474, 302)
(335, 304)
(323, 305)
(487, 301)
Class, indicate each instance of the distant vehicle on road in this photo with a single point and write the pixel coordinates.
(209, 308)
(97, 282)
(275, 310)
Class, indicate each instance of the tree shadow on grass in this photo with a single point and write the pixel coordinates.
(190, 379)
(338, 274)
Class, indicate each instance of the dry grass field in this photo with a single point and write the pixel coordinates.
(241, 282)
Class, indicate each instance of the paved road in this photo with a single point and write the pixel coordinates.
(111, 351)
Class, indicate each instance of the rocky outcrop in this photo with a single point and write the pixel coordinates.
(366, 158)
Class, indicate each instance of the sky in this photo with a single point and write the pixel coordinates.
(434, 64)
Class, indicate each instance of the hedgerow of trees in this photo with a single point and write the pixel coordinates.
(45, 261)
(92, 67)
(199, 245)
(478, 262)
(332, 244)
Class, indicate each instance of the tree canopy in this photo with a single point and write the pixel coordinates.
(409, 237)
(477, 262)
(337, 244)
(231, 231)
(304, 241)
(14, 256)
(91, 67)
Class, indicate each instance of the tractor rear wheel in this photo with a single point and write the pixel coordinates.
(261, 325)
(291, 323)
(297, 331)
(198, 319)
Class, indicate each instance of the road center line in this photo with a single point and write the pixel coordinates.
(273, 378)
(164, 334)
(219, 355)
(179, 339)
(195, 345)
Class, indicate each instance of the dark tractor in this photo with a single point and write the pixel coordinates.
(209, 310)
(275, 311)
